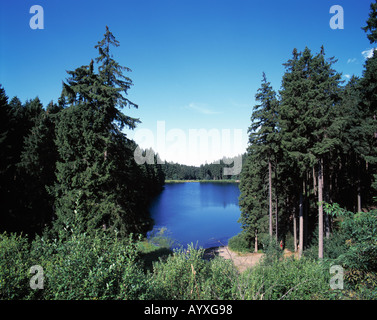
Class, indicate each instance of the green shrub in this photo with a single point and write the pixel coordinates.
(92, 267)
(271, 249)
(103, 266)
(239, 243)
(14, 266)
(290, 242)
(99, 266)
(286, 279)
(181, 276)
(359, 233)
(222, 280)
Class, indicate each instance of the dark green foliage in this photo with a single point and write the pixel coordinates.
(368, 85)
(4, 115)
(104, 266)
(14, 267)
(69, 163)
(27, 166)
(213, 171)
(99, 184)
(37, 165)
(317, 125)
(371, 26)
(253, 200)
(263, 131)
(75, 266)
(240, 243)
(310, 90)
(181, 276)
(358, 238)
(264, 141)
(271, 249)
(287, 279)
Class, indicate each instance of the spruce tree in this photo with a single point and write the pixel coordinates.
(264, 132)
(5, 116)
(96, 174)
(19, 208)
(263, 147)
(253, 198)
(325, 136)
(37, 164)
(5, 147)
(371, 27)
(368, 89)
(310, 90)
(296, 127)
(115, 84)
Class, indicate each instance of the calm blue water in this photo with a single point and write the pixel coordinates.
(198, 213)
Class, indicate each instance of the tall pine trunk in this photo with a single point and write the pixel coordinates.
(320, 210)
(326, 197)
(294, 229)
(256, 241)
(301, 222)
(270, 193)
(306, 206)
(314, 182)
(358, 188)
(276, 203)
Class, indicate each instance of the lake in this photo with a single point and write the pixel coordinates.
(198, 213)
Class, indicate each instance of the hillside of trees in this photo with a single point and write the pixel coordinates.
(312, 142)
(69, 163)
(212, 171)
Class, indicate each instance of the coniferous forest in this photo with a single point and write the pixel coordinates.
(210, 171)
(70, 163)
(314, 142)
(74, 202)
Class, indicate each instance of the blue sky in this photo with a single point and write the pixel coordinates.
(195, 64)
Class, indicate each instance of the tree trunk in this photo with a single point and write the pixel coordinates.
(256, 241)
(301, 222)
(270, 193)
(276, 217)
(358, 188)
(276, 203)
(320, 210)
(314, 182)
(325, 188)
(294, 229)
(306, 206)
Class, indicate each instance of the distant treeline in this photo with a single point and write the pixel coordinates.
(212, 171)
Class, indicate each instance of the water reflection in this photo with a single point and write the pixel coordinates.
(198, 213)
(214, 194)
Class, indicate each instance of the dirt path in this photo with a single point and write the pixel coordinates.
(241, 261)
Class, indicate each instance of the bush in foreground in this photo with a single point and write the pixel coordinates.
(104, 266)
(80, 267)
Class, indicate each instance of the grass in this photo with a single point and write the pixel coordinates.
(150, 253)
